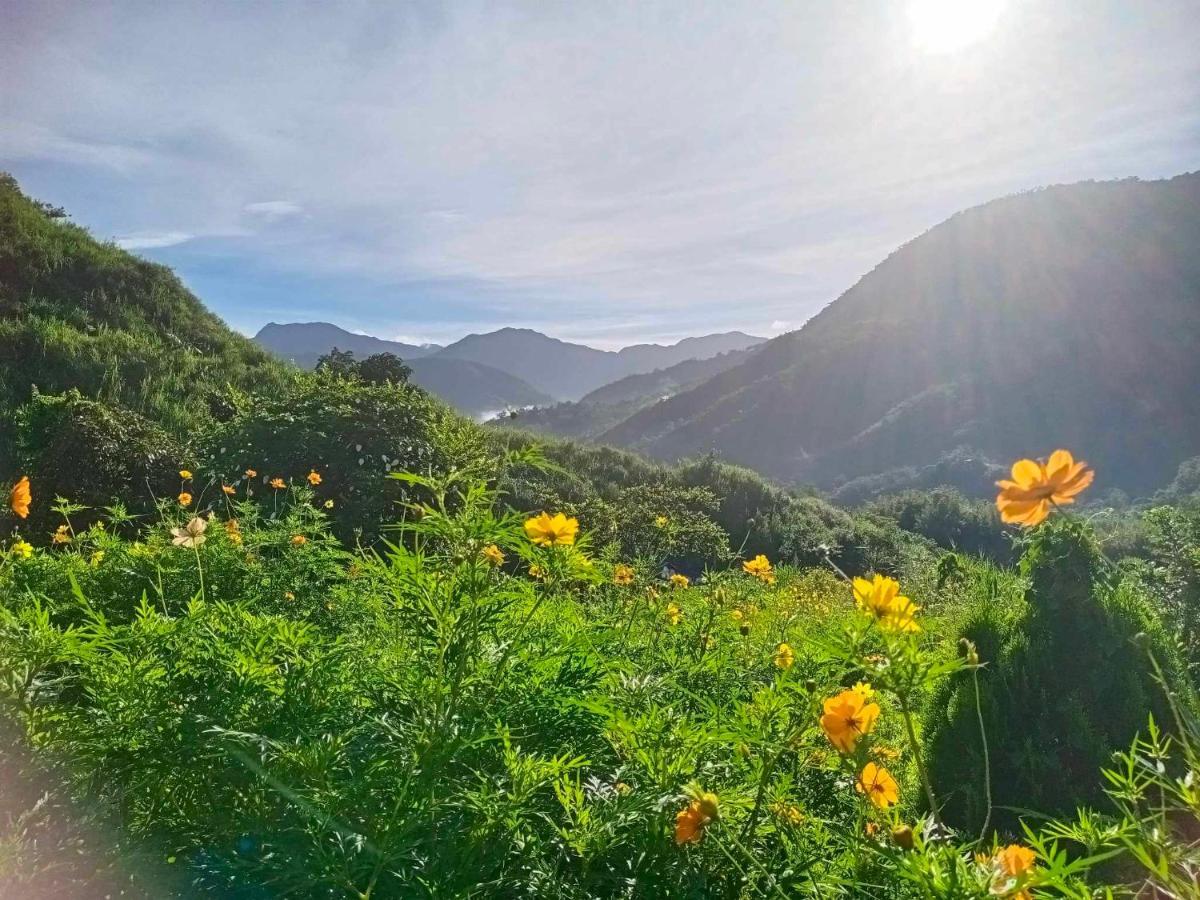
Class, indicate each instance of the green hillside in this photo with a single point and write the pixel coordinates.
(78, 313)
(1068, 316)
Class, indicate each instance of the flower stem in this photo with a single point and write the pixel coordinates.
(906, 713)
(987, 760)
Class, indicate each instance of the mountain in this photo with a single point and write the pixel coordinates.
(1065, 317)
(607, 406)
(474, 388)
(568, 371)
(304, 342)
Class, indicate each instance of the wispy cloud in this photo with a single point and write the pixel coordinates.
(609, 172)
(152, 240)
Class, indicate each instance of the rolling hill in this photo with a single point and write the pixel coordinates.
(304, 342)
(1068, 316)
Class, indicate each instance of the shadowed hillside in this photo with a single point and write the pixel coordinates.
(1064, 317)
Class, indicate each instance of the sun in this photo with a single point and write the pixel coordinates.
(944, 26)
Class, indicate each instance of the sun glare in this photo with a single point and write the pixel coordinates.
(944, 26)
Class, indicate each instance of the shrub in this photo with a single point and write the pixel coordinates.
(93, 454)
(1064, 686)
(352, 434)
(948, 519)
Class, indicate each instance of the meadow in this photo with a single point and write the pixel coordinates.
(487, 701)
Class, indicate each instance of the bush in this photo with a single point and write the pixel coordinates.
(948, 519)
(93, 454)
(1065, 685)
(352, 434)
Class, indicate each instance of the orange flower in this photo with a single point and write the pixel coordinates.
(679, 581)
(546, 530)
(1015, 860)
(1026, 500)
(20, 498)
(847, 717)
(299, 540)
(251, 473)
(622, 574)
(229, 490)
(879, 786)
(278, 483)
(690, 821)
(185, 499)
(493, 555)
(234, 531)
(313, 477)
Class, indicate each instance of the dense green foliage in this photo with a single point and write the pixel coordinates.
(1066, 684)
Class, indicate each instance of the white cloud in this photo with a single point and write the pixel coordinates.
(153, 240)
(272, 210)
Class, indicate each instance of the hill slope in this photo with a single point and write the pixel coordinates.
(78, 313)
(473, 388)
(1069, 316)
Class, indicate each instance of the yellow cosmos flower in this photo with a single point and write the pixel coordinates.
(234, 531)
(251, 473)
(1014, 860)
(20, 497)
(788, 813)
(785, 657)
(314, 478)
(97, 558)
(846, 718)
(661, 521)
(864, 690)
(760, 568)
(679, 581)
(62, 535)
(278, 483)
(299, 540)
(493, 555)
(329, 504)
(878, 785)
(22, 549)
(185, 474)
(1027, 498)
(546, 530)
(674, 613)
(191, 534)
(622, 574)
(228, 490)
(185, 499)
(882, 599)
(536, 571)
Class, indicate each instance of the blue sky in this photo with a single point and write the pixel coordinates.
(606, 172)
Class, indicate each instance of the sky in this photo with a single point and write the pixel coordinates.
(609, 173)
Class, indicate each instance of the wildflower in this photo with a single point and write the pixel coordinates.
(882, 599)
(878, 785)
(185, 474)
(191, 534)
(23, 549)
(788, 813)
(847, 717)
(233, 531)
(885, 752)
(62, 535)
(493, 555)
(547, 531)
(902, 837)
(299, 540)
(760, 568)
(329, 504)
(679, 581)
(536, 571)
(1026, 499)
(674, 613)
(785, 657)
(288, 595)
(661, 521)
(19, 498)
(278, 483)
(229, 491)
(97, 558)
(1010, 865)
(251, 473)
(313, 477)
(864, 690)
(871, 828)
(623, 574)
(185, 499)
(690, 822)
(737, 615)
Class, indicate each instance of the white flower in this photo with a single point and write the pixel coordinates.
(191, 534)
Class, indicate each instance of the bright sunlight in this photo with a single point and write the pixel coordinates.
(945, 26)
